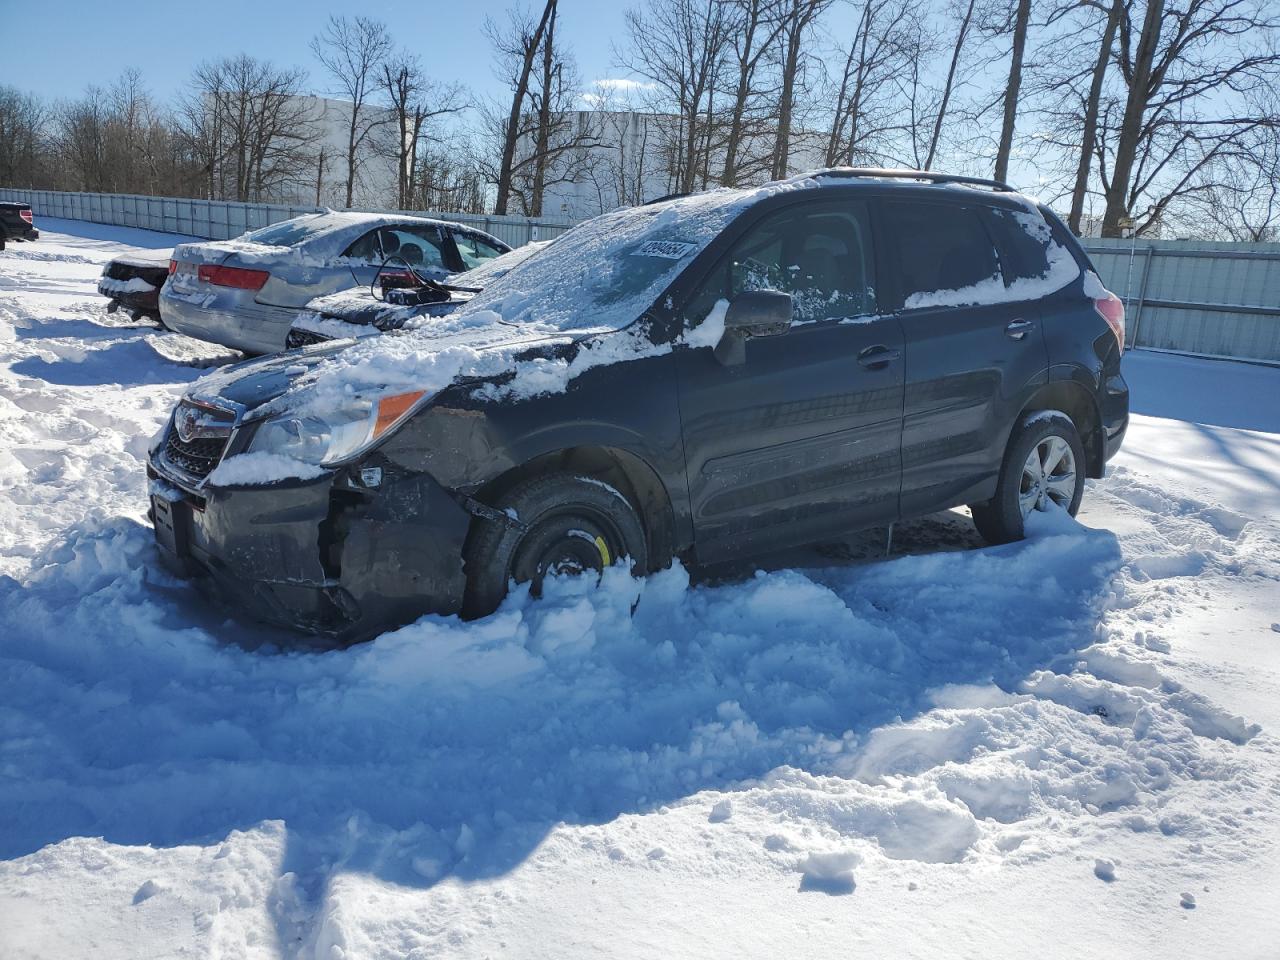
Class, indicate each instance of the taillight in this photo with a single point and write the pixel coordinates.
(26, 215)
(173, 266)
(233, 276)
(1111, 309)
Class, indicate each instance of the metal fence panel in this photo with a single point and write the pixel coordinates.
(1211, 298)
(1208, 298)
(221, 220)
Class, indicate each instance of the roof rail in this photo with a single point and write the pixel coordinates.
(877, 172)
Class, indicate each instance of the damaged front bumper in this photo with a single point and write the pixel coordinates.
(333, 555)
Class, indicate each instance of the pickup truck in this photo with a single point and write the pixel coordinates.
(16, 222)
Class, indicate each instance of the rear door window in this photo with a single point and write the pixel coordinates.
(944, 254)
(818, 253)
(365, 249)
(417, 246)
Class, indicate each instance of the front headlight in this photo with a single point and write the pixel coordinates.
(329, 438)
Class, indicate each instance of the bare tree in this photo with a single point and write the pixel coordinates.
(875, 56)
(247, 126)
(753, 28)
(517, 46)
(1186, 70)
(1012, 89)
(948, 88)
(1089, 133)
(416, 101)
(679, 47)
(23, 119)
(797, 17)
(1243, 203)
(352, 51)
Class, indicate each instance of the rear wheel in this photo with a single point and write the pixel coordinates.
(1043, 467)
(563, 525)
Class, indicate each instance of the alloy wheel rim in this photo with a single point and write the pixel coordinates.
(1048, 476)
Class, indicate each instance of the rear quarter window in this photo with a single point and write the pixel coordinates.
(1036, 259)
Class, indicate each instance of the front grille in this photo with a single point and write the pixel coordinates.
(196, 457)
(304, 338)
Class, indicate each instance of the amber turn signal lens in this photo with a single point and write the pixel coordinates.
(391, 409)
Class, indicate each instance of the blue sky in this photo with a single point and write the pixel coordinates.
(67, 44)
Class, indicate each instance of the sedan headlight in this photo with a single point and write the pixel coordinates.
(338, 435)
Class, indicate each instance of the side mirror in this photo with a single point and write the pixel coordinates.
(753, 313)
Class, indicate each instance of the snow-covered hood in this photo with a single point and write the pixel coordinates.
(321, 377)
(358, 306)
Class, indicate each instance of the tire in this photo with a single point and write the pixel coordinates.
(567, 524)
(1051, 436)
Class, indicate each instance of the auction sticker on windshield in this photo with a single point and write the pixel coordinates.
(667, 249)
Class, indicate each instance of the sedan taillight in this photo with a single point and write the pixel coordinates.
(233, 276)
(173, 266)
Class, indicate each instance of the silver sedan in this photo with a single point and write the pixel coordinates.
(245, 293)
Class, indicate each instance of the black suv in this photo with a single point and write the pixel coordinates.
(706, 377)
(16, 222)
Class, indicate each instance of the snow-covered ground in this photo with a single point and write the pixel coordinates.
(1060, 748)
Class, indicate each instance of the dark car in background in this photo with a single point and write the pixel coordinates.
(16, 222)
(714, 376)
(132, 282)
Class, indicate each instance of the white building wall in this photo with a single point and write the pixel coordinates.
(631, 163)
(376, 173)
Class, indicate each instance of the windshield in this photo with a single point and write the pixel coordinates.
(604, 273)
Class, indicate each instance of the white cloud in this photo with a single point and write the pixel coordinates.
(621, 85)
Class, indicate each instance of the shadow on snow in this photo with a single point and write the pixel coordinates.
(137, 713)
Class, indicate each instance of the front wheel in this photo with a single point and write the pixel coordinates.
(1043, 467)
(564, 525)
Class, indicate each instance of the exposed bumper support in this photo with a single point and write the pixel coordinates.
(323, 556)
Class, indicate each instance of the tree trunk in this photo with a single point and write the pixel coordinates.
(1011, 89)
(1090, 133)
(543, 139)
(746, 67)
(946, 90)
(517, 104)
(1135, 109)
(786, 102)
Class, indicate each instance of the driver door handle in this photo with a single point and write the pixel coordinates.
(878, 357)
(1018, 329)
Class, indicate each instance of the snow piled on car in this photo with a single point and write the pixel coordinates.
(590, 289)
